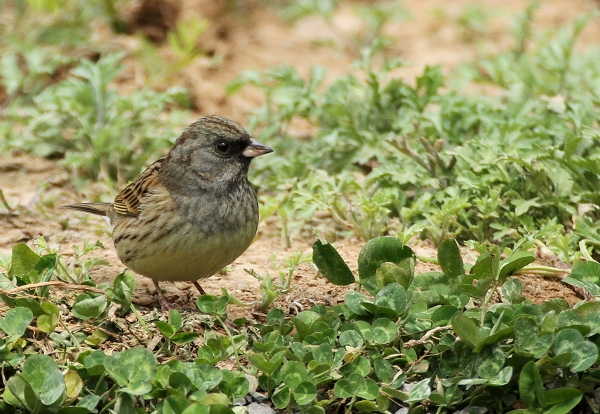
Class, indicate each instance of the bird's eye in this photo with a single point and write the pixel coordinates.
(222, 147)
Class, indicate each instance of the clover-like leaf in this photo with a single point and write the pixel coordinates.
(343, 388)
(376, 252)
(23, 261)
(293, 373)
(15, 322)
(40, 380)
(305, 392)
(402, 273)
(392, 296)
(281, 397)
(384, 331)
(512, 291)
(490, 361)
(89, 306)
(419, 392)
(134, 368)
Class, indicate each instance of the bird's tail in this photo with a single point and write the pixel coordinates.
(100, 209)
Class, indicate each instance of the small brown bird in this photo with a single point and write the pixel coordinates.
(192, 213)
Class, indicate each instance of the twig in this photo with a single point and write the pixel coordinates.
(66, 286)
(425, 338)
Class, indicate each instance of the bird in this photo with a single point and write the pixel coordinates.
(191, 213)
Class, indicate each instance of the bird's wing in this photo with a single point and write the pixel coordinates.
(127, 202)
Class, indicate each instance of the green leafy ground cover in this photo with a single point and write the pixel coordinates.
(505, 173)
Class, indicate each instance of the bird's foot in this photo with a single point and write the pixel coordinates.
(202, 292)
(162, 300)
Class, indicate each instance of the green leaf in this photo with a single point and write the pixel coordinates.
(482, 267)
(351, 338)
(23, 261)
(43, 375)
(384, 331)
(530, 387)
(378, 251)
(566, 341)
(515, 262)
(419, 392)
(48, 321)
(490, 361)
(393, 296)
(281, 397)
(401, 274)
(292, 374)
(354, 300)
(16, 321)
(303, 322)
(122, 288)
(305, 392)
(215, 398)
(175, 319)
(360, 366)
(174, 404)
(184, 337)
(512, 291)
(19, 393)
(73, 384)
(368, 389)
(331, 264)
(261, 363)
(443, 314)
(88, 306)
(561, 400)
(236, 388)
(197, 408)
(165, 329)
(366, 406)
(343, 389)
(134, 367)
(503, 377)
(207, 304)
(449, 258)
(583, 356)
(589, 271)
(466, 329)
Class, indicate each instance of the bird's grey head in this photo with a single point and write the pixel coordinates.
(211, 152)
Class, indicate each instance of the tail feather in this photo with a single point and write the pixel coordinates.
(100, 209)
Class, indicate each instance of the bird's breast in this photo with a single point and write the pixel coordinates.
(187, 238)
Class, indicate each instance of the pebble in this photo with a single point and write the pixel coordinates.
(252, 383)
(258, 397)
(239, 402)
(256, 408)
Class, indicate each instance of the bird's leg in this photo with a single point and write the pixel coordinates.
(164, 303)
(202, 292)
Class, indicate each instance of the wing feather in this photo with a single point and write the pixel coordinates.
(127, 202)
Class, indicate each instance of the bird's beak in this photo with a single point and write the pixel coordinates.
(256, 149)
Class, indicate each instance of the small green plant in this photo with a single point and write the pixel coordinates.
(99, 132)
(473, 21)
(171, 328)
(183, 45)
(269, 289)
